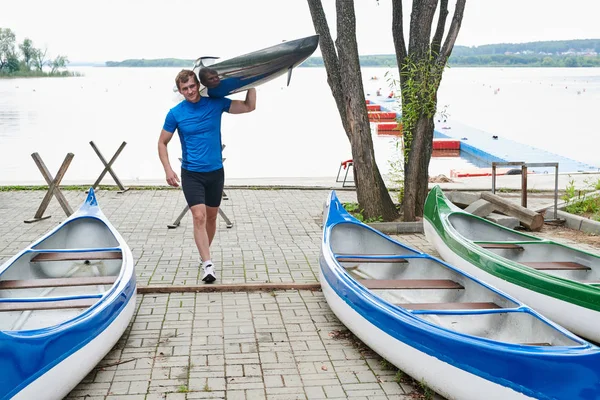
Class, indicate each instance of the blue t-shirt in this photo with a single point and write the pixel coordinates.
(199, 128)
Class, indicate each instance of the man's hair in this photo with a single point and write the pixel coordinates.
(183, 76)
(205, 72)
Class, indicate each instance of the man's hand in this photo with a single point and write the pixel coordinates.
(172, 178)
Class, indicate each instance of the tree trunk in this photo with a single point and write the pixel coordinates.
(416, 176)
(422, 64)
(345, 80)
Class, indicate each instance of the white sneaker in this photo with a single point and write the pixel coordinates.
(209, 274)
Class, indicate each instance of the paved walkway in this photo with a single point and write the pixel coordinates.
(238, 345)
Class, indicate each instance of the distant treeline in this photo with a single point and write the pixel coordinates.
(562, 53)
(161, 62)
(493, 60)
(557, 47)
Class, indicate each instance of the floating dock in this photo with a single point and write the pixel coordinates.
(488, 148)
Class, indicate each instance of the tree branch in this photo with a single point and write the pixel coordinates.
(452, 32)
(436, 42)
(330, 58)
(398, 32)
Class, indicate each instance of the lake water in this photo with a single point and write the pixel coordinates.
(294, 132)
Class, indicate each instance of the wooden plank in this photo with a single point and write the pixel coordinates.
(410, 284)
(231, 287)
(501, 246)
(47, 305)
(374, 259)
(57, 282)
(450, 306)
(556, 266)
(78, 256)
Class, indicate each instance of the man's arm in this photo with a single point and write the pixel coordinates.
(163, 154)
(241, 107)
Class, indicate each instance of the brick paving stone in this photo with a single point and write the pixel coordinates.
(256, 345)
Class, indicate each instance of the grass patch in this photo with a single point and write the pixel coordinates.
(183, 389)
(578, 204)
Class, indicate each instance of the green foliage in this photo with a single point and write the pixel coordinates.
(11, 65)
(428, 393)
(58, 63)
(183, 389)
(420, 81)
(583, 206)
(28, 51)
(400, 377)
(357, 212)
(386, 365)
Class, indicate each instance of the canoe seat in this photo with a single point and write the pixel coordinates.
(450, 306)
(410, 284)
(510, 246)
(47, 305)
(78, 256)
(57, 282)
(556, 265)
(371, 259)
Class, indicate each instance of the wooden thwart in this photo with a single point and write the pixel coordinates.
(78, 256)
(373, 259)
(556, 265)
(410, 284)
(450, 306)
(57, 282)
(501, 246)
(47, 305)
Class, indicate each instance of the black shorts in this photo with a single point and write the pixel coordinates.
(203, 187)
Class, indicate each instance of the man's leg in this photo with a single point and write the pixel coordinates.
(211, 222)
(201, 234)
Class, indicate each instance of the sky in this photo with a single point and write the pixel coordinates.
(114, 30)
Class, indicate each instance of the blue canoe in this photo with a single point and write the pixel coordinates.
(65, 301)
(460, 336)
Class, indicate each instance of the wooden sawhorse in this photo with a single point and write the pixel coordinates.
(53, 189)
(108, 167)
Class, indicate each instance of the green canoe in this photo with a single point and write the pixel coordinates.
(559, 281)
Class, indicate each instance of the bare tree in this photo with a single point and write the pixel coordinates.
(421, 66)
(345, 80)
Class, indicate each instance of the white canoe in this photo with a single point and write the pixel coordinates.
(465, 339)
(65, 300)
